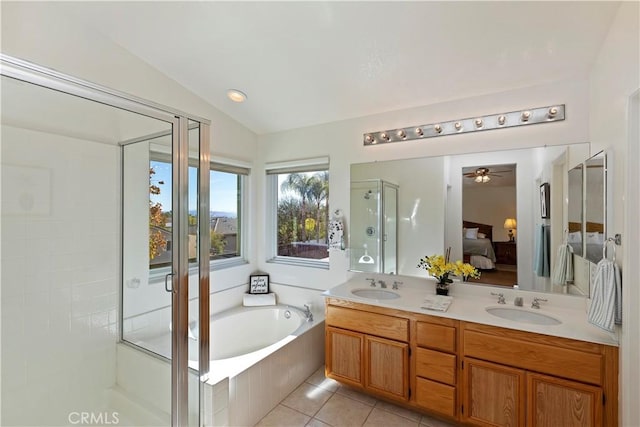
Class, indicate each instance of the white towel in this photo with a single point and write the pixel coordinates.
(606, 298)
(563, 270)
(336, 234)
(251, 300)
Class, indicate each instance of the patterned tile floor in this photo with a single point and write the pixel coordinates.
(321, 402)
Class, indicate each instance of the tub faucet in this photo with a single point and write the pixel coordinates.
(307, 313)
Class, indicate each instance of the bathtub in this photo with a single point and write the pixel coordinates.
(259, 355)
(241, 331)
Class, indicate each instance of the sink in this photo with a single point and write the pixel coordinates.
(521, 315)
(375, 293)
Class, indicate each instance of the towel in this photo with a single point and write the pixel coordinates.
(437, 302)
(336, 234)
(606, 298)
(563, 269)
(251, 300)
(541, 261)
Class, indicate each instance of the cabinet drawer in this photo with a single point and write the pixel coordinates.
(438, 337)
(436, 397)
(436, 365)
(563, 362)
(395, 328)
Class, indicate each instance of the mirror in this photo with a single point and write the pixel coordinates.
(374, 216)
(574, 210)
(594, 207)
(430, 207)
(489, 222)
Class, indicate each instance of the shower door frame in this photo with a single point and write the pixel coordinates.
(47, 78)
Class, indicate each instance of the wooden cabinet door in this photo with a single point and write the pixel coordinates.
(557, 402)
(494, 395)
(387, 367)
(344, 350)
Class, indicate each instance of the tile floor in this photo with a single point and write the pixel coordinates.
(321, 402)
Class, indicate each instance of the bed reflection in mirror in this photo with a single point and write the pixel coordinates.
(489, 222)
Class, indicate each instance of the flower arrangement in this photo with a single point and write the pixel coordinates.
(439, 267)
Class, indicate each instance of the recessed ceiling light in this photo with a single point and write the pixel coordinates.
(236, 95)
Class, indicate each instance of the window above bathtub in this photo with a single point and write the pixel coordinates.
(227, 201)
(298, 212)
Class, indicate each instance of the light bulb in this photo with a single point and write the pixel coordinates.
(552, 112)
(437, 128)
(478, 179)
(526, 115)
(479, 123)
(502, 120)
(401, 134)
(368, 139)
(384, 136)
(236, 95)
(419, 132)
(458, 126)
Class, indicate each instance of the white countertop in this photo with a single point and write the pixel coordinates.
(470, 303)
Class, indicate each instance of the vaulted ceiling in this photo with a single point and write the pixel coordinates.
(305, 63)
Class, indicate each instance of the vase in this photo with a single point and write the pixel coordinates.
(442, 289)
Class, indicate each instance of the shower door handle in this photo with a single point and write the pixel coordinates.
(166, 282)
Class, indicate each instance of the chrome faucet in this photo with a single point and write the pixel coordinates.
(517, 301)
(500, 297)
(536, 302)
(395, 284)
(382, 284)
(373, 282)
(307, 313)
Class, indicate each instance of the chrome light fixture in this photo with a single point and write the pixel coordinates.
(525, 117)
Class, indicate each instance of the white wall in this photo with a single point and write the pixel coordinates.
(615, 77)
(59, 275)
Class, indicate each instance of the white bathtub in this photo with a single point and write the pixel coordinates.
(241, 331)
(259, 355)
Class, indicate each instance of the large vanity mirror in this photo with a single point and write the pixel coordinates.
(521, 210)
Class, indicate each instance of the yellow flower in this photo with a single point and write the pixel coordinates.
(438, 267)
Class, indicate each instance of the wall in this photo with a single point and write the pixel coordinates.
(490, 205)
(29, 33)
(59, 276)
(615, 77)
(342, 142)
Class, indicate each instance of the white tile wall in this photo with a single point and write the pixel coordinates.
(59, 275)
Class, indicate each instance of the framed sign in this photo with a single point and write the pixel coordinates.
(259, 284)
(545, 196)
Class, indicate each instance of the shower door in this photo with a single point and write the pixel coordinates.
(79, 225)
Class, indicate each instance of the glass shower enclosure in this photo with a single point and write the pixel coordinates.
(105, 255)
(374, 226)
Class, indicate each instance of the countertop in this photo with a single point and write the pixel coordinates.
(471, 301)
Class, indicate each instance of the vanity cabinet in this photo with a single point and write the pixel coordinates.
(513, 378)
(436, 365)
(470, 373)
(368, 350)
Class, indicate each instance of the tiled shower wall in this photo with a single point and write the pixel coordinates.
(60, 234)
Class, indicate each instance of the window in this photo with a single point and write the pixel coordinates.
(226, 200)
(300, 210)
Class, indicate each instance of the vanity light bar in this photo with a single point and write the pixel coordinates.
(553, 113)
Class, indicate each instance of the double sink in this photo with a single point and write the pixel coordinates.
(508, 313)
